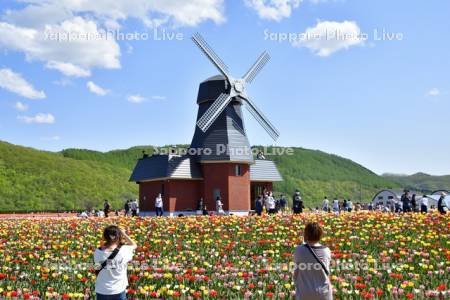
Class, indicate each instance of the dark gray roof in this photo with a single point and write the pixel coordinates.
(228, 130)
(166, 166)
(264, 170)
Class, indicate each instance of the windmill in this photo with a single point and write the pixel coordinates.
(220, 161)
(235, 89)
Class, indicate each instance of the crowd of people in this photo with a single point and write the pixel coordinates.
(131, 208)
(411, 203)
(267, 203)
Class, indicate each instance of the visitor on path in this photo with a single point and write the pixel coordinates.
(106, 208)
(219, 206)
(406, 202)
(326, 204)
(349, 205)
(336, 205)
(112, 263)
(134, 208)
(413, 203)
(424, 204)
(283, 203)
(297, 202)
(271, 204)
(312, 266)
(442, 206)
(344, 205)
(127, 208)
(205, 211)
(200, 204)
(259, 205)
(159, 206)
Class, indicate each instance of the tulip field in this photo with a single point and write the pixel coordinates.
(376, 256)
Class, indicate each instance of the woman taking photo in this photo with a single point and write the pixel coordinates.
(112, 260)
(312, 265)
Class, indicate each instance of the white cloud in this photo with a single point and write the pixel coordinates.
(94, 88)
(40, 118)
(74, 57)
(68, 69)
(328, 37)
(111, 12)
(14, 83)
(274, 10)
(24, 29)
(434, 92)
(20, 106)
(136, 99)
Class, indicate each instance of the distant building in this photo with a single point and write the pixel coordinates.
(387, 197)
(439, 192)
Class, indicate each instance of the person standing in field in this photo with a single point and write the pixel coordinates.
(112, 262)
(271, 204)
(349, 205)
(134, 208)
(336, 205)
(414, 203)
(127, 208)
(219, 206)
(312, 266)
(297, 202)
(259, 206)
(283, 203)
(106, 208)
(424, 204)
(159, 206)
(325, 204)
(442, 206)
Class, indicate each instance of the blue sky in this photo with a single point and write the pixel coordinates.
(382, 103)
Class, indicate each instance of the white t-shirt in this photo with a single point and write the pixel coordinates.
(325, 203)
(336, 204)
(113, 278)
(158, 202)
(271, 202)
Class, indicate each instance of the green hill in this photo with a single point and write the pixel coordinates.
(39, 180)
(75, 178)
(421, 181)
(315, 173)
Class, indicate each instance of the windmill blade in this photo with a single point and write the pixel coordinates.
(262, 120)
(256, 68)
(214, 111)
(209, 52)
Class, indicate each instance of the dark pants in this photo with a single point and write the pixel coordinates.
(159, 211)
(423, 208)
(121, 296)
(106, 213)
(272, 211)
(134, 213)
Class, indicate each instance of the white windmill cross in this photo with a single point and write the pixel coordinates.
(237, 89)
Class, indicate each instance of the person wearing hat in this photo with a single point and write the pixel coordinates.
(442, 206)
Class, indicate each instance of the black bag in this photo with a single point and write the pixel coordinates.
(110, 257)
(318, 259)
